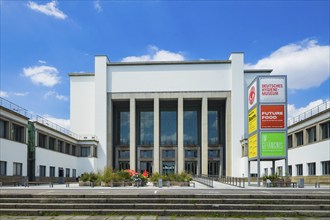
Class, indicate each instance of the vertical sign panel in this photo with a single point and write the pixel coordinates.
(252, 120)
(272, 89)
(272, 116)
(273, 144)
(252, 95)
(253, 146)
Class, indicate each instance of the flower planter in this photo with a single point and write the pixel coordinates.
(84, 183)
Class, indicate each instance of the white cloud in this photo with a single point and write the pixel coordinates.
(41, 61)
(293, 111)
(4, 94)
(20, 93)
(42, 75)
(97, 6)
(65, 123)
(306, 63)
(56, 95)
(156, 54)
(49, 9)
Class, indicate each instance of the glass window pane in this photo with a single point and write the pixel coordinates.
(168, 128)
(213, 127)
(146, 128)
(124, 128)
(190, 127)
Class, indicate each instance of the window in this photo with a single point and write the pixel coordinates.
(300, 138)
(18, 133)
(213, 127)
(3, 129)
(85, 151)
(311, 134)
(74, 173)
(290, 170)
(213, 168)
(190, 128)
(279, 171)
(290, 141)
(123, 165)
(146, 154)
(168, 167)
(52, 143)
(42, 140)
(67, 172)
(74, 150)
(190, 153)
(325, 129)
(299, 169)
(42, 171)
(124, 154)
(325, 167)
(17, 169)
(60, 146)
(52, 171)
(168, 153)
(146, 128)
(67, 148)
(124, 128)
(146, 166)
(168, 128)
(3, 168)
(214, 153)
(311, 169)
(266, 172)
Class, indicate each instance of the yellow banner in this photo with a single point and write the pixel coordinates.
(253, 146)
(252, 120)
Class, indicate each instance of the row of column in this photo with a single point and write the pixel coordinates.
(156, 159)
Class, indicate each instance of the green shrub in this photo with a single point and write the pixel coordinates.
(154, 177)
(123, 175)
(85, 177)
(107, 175)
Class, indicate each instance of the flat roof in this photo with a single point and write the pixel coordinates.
(258, 71)
(81, 74)
(168, 62)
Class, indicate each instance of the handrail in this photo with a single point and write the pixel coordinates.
(206, 180)
(234, 181)
(11, 106)
(309, 113)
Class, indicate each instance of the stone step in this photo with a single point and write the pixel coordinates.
(171, 212)
(152, 206)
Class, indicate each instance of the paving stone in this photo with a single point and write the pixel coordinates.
(165, 218)
(189, 218)
(115, 218)
(148, 218)
(131, 218)
(82, 217)
(43, 218)
(63, 217)
(97, 217)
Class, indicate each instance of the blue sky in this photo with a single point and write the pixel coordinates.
(43, 41)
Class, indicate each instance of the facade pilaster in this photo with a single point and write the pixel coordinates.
(180, 136)
(204, 137)
(132, 144)
(156, 136)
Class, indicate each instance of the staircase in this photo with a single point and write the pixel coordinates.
(216, 205)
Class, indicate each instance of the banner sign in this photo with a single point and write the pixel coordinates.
(272, 89)
(272, 116)
(273, 144)
(252, 95)
(252, 121)
(253, 146)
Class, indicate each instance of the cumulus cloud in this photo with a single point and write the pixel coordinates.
(155, 54)
(20, 93)
(56, 95)
(306, 64)
(97, 6)
(42, 75)
(49, 9)
(65, 123)
(41, 61)
(294, 111)
(4, 94)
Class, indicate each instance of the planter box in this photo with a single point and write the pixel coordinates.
(86, 183)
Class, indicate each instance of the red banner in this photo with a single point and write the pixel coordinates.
(272, 116)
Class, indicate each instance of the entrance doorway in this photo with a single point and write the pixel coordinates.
(146, 165)
(60, 175)
(213, 168)
(168, 167)
(191, 167)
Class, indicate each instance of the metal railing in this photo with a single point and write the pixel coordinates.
(309, 113)
(206, 180)
(11, 106)
(234, 181)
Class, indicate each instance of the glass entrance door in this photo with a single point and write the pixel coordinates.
(191, 167)
(213, 168)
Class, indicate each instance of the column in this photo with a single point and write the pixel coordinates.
(180, 136)
(156, 136)
(204, 137)
(132, 145)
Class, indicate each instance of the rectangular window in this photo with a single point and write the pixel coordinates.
(300, 138)
(325, 130)
(168, 167)
(290, 170)
(3, 168)
(311, 133)
(146, 154)
(74, 173)
(168, 154)
(146, 166)
(67, 148)
(299, 168)
(42, 171)
(147, 128)
(266, 172)
(52, 143)
(190, 128)
(290, 141)
(85, 151)
(214, 153)
(213, 127)
(124, 118)
(190, 153)
(18, 133)
(42, 140)
(168, 128)
(17, 169)
(4, 129)
(311, 169)
(52, 171)
(279, 171)
(74, 150)
(325, 167)
(67, 172)
(123, 165)
(124, 154)
(60, 146)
